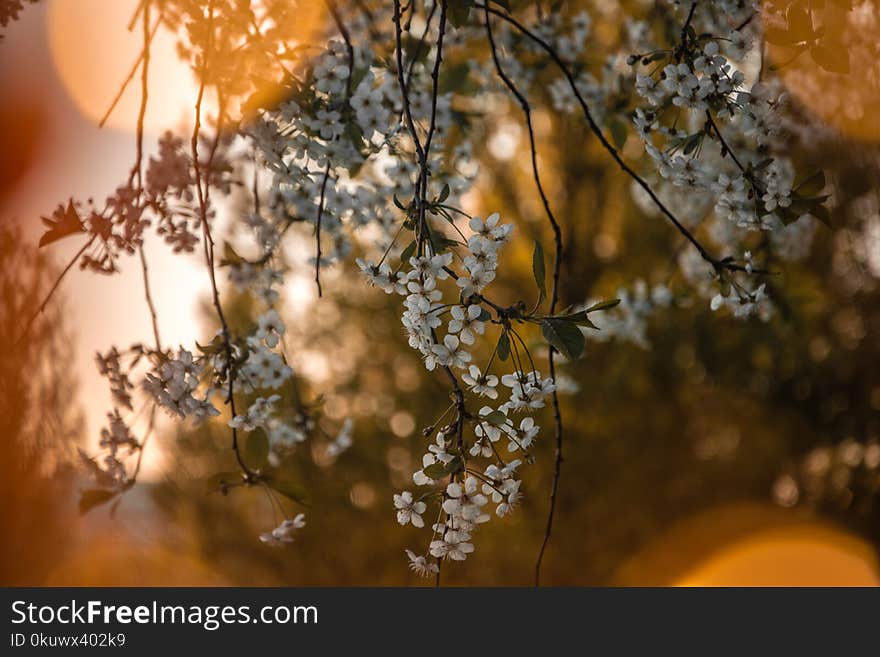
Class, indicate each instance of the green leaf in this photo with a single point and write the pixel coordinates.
(495, 417)
(93, 497)
(230, 256)
(267, 95)
(441, 243)
(812, 185)
(214, 347)
(455, 466)
(655, 57)
(691, 143)
(602, 305)
(822, 214)
(618, 132)
(539, 271)
(256, 451)
(63, 223)
(458, 11)
(444, 194)
(435, 471)
(503, 348)
(579, 318)
(564, 336)
(291, 489)
(407, 253)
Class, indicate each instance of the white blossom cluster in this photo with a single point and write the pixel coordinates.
(175, 385)
(368, 151)
(714, 134)
(714, 137)
(463, 489)
(285, 532)
(628, 321)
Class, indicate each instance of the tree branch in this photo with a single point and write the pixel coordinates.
(718, 264)
(554, 296)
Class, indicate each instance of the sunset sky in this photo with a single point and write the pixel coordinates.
(68, 59)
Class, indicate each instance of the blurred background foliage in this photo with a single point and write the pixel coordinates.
(716, 412)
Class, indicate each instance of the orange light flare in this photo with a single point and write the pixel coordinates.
(93, 53)
(96, 45)
(826, 55)
(751, 544)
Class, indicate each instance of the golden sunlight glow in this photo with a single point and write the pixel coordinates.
(753, 545)
(93, 53)
(827, 60)
(805, 556)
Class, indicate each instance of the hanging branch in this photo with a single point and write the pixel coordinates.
(208, 245)
(718, 264)
(422, 188)
(554, 294)
(131, 74)
(346, 36)
(318, 229)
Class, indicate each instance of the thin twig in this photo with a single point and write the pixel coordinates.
(208, 244)
(346, 36)
(349, 46)
(718, 264)
(142, 112)
(554, 295)
(154, 316)
(129, 77)
(421, 191)
(435, 83)
(417, 51)
(318, 229)
(398, 35)
(45, 302)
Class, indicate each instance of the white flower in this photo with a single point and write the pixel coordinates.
(454, 545)
(648, 88)
(450, 353)
(267, 368)
(490, 229)
(343, 439)
(173, 383)
(479, 278)
(482, 384)
(489, 428)
(465, 502)
(283, 533)
(409, 511)
(510, 489)
(430, 266)
(270, 328)
(419, 564)
(504, 489)
(378, 275)
(326, 123)
(467, 323)
(525, 435)
(257, 414)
